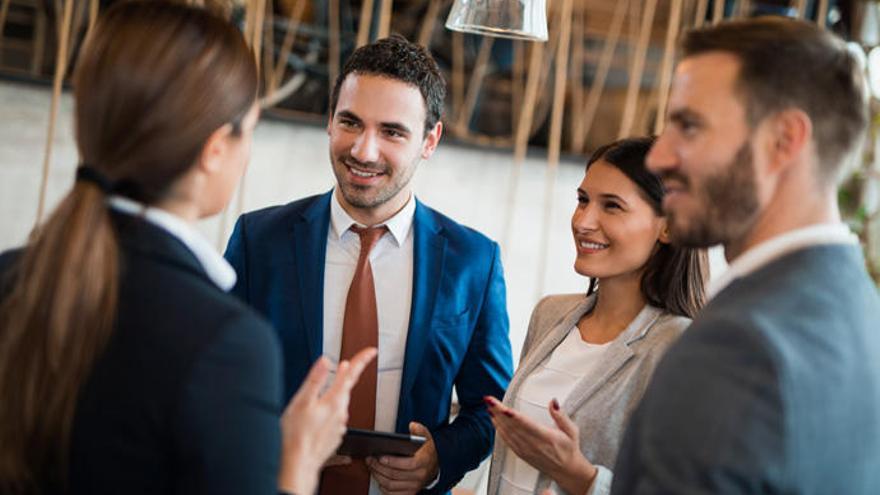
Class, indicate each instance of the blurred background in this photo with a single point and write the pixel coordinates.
(521, 116)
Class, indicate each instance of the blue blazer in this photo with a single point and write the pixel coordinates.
(458, 321)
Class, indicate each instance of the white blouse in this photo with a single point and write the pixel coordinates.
(572, 360)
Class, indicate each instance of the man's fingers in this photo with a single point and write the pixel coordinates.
(420, 430)
(400, 463)
(387, 481)
(338, 460)
(391, 485)
(393, 472)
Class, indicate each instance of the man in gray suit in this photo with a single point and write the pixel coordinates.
(775, 388)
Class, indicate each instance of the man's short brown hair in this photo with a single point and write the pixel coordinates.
(397, 58)
(786, 63)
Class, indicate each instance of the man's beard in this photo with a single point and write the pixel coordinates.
(727, 204)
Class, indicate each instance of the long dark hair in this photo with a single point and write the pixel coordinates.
(674, 277)
(153, 82)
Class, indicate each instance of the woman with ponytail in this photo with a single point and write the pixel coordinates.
(588, 358)
(124, 366)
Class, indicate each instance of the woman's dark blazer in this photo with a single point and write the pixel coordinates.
(186, 397)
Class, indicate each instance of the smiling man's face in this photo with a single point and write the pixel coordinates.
(377, 140)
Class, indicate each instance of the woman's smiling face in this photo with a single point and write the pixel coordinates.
(615, 228)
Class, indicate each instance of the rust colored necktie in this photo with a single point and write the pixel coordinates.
(360, 329)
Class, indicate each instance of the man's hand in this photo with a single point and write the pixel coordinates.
(406, 475)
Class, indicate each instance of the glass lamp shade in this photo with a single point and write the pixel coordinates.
(517, 19)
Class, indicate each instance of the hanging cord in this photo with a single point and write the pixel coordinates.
(60, 68)
(254, 15)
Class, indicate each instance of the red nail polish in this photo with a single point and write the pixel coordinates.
(554, 404)
(509, 414)
(488, 400)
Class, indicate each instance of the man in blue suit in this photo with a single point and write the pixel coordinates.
(331, 271)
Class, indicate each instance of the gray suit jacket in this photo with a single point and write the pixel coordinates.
(599, 404)
(774, 389)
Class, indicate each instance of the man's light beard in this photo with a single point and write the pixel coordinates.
(727, 205)
(383, 194)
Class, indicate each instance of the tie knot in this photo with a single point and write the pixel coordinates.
(369, 236)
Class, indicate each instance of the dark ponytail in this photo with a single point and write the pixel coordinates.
(153, 82)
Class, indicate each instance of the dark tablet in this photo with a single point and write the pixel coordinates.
(366, 443)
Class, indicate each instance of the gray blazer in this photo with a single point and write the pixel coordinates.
(775, 388)
(599, 404)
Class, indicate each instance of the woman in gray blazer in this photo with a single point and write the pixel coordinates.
(587, 359)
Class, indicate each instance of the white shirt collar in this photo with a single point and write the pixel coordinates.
(399, 225)
(762, 254)
(216, 267)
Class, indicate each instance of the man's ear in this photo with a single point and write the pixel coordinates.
(429, 144)
(663, 238)
(211, 158)
(791, 133)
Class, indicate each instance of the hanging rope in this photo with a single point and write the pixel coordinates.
(635, 74)
(585, 123)
(801, 7)
(556, 119)
(718, 12)
(93, 15)
(675, 12)
(60, 69)
(254, 16)
(287, 45)
(822, 13)
(700, 15)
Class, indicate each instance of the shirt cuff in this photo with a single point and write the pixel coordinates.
(434, 483)
(602, 482)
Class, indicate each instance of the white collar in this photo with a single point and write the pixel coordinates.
(216, 267)
(762, 254)
(399, 225)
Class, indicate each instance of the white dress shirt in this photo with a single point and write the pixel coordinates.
(392, 264)
(776, 247)
(216, 267)
(555, 378)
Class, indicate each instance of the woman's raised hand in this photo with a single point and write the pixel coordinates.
(313, 422)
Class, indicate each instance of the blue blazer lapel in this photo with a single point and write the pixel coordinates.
(309, 236)
(429, 247)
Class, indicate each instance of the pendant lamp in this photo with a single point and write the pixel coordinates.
(517, 19)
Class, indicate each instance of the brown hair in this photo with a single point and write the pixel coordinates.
(786, 63)
(397, 58)
(674, 277)
(153, 82)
